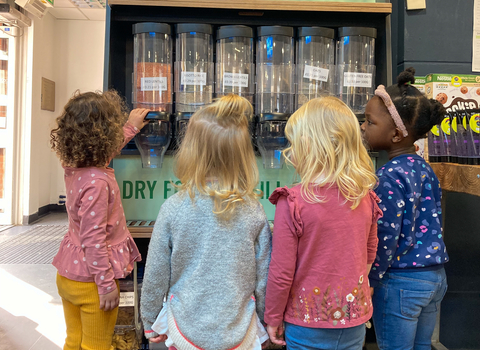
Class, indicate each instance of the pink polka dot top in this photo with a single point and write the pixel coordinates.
(98, 246)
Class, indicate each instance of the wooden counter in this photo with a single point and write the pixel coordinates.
(265, 5)
(458, 177)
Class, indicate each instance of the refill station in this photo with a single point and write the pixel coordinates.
(175, 60)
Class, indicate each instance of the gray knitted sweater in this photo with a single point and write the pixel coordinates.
(213, 272)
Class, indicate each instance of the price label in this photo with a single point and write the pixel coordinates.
(235, 79)
(127, 299)
(357, 79)
(193, 78)
(316, 73)
(154, 84)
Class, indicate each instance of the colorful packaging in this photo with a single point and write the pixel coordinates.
(445, 139)
(473, 134)
(453, 137)
(455, 92)
(420, 83)
(434, 148)
(462, 138)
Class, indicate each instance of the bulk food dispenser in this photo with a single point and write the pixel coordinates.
(315, 63)
(194, 70)
(275, 91)
(355, 78)
(234, 68)
(152, 80)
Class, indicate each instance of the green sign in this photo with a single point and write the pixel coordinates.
(144, 190)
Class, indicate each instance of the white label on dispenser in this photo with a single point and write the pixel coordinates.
(193, 78)
(154, 84)
(235, 79)
(316, 73)
(127, 299)
(357, 79)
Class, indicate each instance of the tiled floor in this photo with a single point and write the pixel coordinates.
(31, 313)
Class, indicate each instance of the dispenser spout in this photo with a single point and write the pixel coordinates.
(271, 139)
(154, 139)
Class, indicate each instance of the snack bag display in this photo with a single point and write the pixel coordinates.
(455, 92)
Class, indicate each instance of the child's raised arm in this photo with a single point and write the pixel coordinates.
(136, 121)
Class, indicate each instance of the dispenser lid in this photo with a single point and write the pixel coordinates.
(275, 30)
(150, 27)
(231, 31)
(316, 31)
(155, 115)
(194, 27)
(263, 117)
(357, 31)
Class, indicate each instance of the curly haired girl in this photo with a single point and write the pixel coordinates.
(97, 249)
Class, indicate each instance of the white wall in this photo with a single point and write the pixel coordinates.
(69, 52)
(80, 56)
(41, 63)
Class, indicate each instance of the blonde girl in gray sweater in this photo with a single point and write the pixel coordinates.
(210, 248)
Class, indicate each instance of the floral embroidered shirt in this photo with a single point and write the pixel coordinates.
(410, 232)
(98, 246)
(318, 272)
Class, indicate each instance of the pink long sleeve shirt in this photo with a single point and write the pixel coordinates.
(98, 246)
(318, 272)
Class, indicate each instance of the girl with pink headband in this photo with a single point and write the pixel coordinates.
(407, 279)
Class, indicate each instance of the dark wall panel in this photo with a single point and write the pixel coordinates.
(435, 40)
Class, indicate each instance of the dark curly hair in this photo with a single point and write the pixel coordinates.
(89, 131)
(418, 113)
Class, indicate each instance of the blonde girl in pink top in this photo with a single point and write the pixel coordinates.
(325, 233)
(97, 249)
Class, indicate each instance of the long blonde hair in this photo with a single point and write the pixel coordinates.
(217, 145)
(327, 148)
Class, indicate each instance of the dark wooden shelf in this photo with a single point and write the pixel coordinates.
(458, 177)
(266, 5)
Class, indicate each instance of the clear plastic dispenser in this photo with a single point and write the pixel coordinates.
(315, 63)
(194, 68)
(234, 69)
(154, 138)
(152, 80)
(152, 70)
(355, 78)
(275, 91)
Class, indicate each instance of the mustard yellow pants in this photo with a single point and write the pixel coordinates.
(88, 327)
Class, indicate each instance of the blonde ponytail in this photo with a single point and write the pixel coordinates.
(233, 109)
(217, 145)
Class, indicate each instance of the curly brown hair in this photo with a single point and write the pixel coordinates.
(90, 129)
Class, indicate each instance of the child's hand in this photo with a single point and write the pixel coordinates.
(109, 301)
(371, 291)
(276, 334)
(160, 339)
(137, 117)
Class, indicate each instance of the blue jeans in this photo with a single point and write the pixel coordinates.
(405, 308)
(304, 338)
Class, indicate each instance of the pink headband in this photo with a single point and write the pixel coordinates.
(383, 94)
